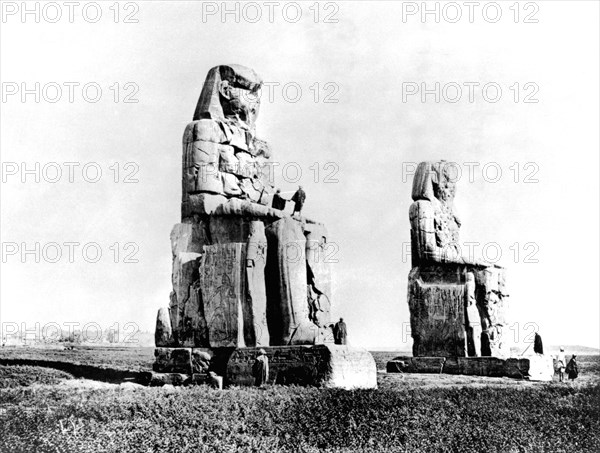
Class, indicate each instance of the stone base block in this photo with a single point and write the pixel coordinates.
(181, 360)
(476, 366)
(533, 368)
(324, 365)
(159, 379)
(320, 365)
(541, 367)
(416, 365)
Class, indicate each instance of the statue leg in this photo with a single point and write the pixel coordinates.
(287, 298)
(473, 322)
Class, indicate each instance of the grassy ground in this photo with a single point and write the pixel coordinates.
(24, 376)
(112, 418)
(128, 358)
(40, 410)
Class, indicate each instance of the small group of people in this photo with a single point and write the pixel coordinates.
(560, 365)
(571, 368)
(298, 198)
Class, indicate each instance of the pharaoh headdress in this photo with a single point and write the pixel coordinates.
(209, 104)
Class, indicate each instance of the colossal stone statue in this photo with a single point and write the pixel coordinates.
(246, 277)
(244, 274)
(457, 304)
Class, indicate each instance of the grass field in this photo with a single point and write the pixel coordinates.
(43, 410)
(127, 358)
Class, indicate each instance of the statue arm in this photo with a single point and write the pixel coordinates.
(422, 219)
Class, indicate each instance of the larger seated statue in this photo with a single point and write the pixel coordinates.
(244, 274)
(457, 304)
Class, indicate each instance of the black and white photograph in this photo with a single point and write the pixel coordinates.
(300, 226)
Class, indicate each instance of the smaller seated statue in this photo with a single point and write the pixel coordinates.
(457, 303)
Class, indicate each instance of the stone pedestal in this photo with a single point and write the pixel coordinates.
(455, 311)
(533, 368)
(436, 299)
(331, 366)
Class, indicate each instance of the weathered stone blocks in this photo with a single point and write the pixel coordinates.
(181, 360)
(437, 316)
(416, 365)
(163, 335)
(185, 272)
(534, 368)
(319, 365)
(318, 273)
(222, 282)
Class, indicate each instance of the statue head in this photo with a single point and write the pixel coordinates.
(444, 186)
(434, 180)
(230, 91)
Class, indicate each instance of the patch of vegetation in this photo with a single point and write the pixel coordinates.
(126, 358)
(545, 417)
(23, 376)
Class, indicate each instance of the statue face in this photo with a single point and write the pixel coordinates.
(446, 190)
(240, 103)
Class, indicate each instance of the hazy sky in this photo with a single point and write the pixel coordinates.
(543, 205)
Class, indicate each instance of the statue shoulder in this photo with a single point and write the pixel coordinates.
(205, 129)
(421, 208)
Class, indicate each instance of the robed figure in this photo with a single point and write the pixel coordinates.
(538, 346)
(299, 198)
(260, 369)
(278, 201)
(340, 332)
(572, 368)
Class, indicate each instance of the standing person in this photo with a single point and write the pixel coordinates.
(298, 198)
(340, 332)
(538, 346)
(572, 368)
(278, 201)
(260, 369)
(560, 364)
